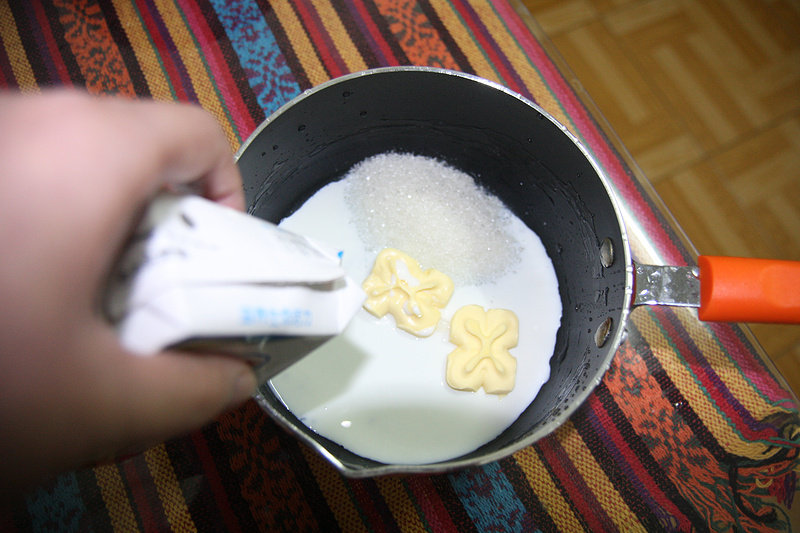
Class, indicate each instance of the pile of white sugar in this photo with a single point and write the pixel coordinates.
(433, 212)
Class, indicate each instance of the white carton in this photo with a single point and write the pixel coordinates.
(199, 274)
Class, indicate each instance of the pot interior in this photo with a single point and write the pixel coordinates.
(513, 150)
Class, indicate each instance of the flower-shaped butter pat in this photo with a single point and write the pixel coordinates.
(397, 285)
(481, 358)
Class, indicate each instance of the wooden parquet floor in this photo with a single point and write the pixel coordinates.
(705, 94)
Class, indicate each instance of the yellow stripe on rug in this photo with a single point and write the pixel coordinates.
(300, 42)
(684, 378)
(169, 490)
(198, 72)
(9, 35)
(603, 488)
(338, 34)
(143, 49)
(396, 497)
(549, 494)
(727, 369)
(336, 494)
(115, 498)
(465, 41)
(521, 62)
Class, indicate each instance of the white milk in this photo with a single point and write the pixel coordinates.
(381, 392)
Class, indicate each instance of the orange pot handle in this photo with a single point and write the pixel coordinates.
(738, 289)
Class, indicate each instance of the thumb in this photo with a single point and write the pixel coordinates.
(162, 396)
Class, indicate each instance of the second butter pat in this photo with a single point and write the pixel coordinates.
(414, 297)
(482, 357)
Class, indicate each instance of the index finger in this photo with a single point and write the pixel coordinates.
(194, 153)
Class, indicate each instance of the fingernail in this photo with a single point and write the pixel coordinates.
(244, 387)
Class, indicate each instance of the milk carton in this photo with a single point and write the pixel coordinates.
(200, 276)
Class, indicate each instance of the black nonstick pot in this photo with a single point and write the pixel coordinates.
(514, 150)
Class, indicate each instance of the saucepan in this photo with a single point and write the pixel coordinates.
(543, 174)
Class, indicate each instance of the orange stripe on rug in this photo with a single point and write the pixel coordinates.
(661, 416)
(95, 51)
(419, 39)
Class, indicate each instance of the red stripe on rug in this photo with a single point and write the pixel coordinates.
(50, 42)
(718, 392)
(7, 78)
(509, 77)
(753, 367)
(221, 502)
(33, 49)
(368, 23)
(221, 75)
(162, 48)
(433, 508)
(323, 44)
(574, 488)
(349, 20)
(368, 499)
(141, 495)
(627, 461)
(255, 114)
(453, 503)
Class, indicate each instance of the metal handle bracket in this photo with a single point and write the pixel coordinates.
(666, 285)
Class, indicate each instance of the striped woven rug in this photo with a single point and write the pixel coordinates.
(691, 429)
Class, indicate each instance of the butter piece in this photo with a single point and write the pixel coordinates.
(397, 285)
(481, 358)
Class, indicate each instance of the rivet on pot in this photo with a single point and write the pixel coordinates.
(607, 252)
(603, 332)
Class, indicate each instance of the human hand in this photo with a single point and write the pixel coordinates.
(75, 172)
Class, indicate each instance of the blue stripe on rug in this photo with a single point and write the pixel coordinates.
(58, 507)
(490, 500)
(268, 73)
